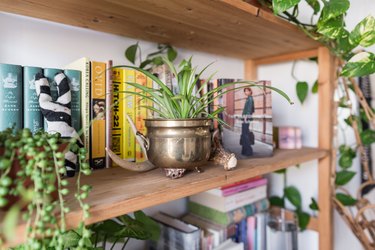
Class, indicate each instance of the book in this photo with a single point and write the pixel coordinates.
(251, 232)
(129, 108)
(219, 232)
(241, 182)
(230, 245)
(97, 114)
(118, 79)
(228, 203)
(10, 96)
(83, 65)
(140, 115)
(249, 116)
(175, 234)
(74, 78)
(108, 113)
(32, 115)
(260, 231)
(50, 73)
(239, 188)
(243, 233)
(227, 218)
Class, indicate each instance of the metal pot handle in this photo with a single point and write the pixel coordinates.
(141, 137)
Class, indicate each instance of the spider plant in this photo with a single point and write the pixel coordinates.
(187, 103)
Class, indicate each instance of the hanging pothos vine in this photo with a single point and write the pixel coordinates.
(353, 61)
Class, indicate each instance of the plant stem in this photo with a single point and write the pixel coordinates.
(114, 243)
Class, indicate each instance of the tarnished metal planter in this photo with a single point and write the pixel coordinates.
(178, 144)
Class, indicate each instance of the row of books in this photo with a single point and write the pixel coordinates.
(230, 217)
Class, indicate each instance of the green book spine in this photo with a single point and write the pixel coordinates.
(32, 115)
(74, 77)
(50, 73)
(10, 96)
(230, 217)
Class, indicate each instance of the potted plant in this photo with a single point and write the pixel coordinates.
(32, 188)
(179, 138)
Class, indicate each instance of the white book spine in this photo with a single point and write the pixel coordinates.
(228, 203)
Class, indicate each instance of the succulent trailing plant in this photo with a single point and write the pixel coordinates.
(331, 31)
(185, 103)
(31, 176)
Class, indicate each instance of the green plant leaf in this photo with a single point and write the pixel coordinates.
(71, 239)
(360, 65)
(334, 8)
(10, 222)
(344, 45)
(149, 224)
(293, 195)
(281, 171)
(303, 219)
(315, 5)
(133, 229)
(364, 32)
(131, 52)
(172, 54)
(345, 161)
(280, 6)
(276, 201)
(343, 177)
(302, 89)
(368, 137)
(315, 87)
(345, 199)
(332, 27)
(314, 205)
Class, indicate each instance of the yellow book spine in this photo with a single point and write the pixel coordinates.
(97, 147)
(141, 114)
(129, 107)
(117, 127)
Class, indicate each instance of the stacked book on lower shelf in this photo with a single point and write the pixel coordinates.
(230, 217)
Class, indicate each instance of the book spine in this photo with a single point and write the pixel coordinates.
(10, 96)
(129, 107)
(85, 107)
(141, 114)
(50, 73)
(74, 78)
(232, 202)
(251, 238)
(230, 217)
(243, 187)
(108, 113)
(117, 126)
(97, 111)
(32, 115)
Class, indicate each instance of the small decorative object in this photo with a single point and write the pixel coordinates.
(181, 137)
(57, 113)
(289, 137)
(249, 117)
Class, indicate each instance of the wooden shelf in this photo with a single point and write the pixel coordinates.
(225, 27)
(117, 191)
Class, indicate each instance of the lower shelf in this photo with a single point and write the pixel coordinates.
(117, 191)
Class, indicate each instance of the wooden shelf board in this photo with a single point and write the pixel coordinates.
(225, 27)
(117, 191)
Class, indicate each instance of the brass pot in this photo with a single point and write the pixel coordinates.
(179, 143)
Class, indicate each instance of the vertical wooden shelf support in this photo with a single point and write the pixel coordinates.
(327, 113)
(326, 82)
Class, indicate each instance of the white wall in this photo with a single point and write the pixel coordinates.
(28, 41)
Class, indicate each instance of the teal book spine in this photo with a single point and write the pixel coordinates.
(32, 115)
(234, 216)
(50, 73)
(74, 77)
(10, 96)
